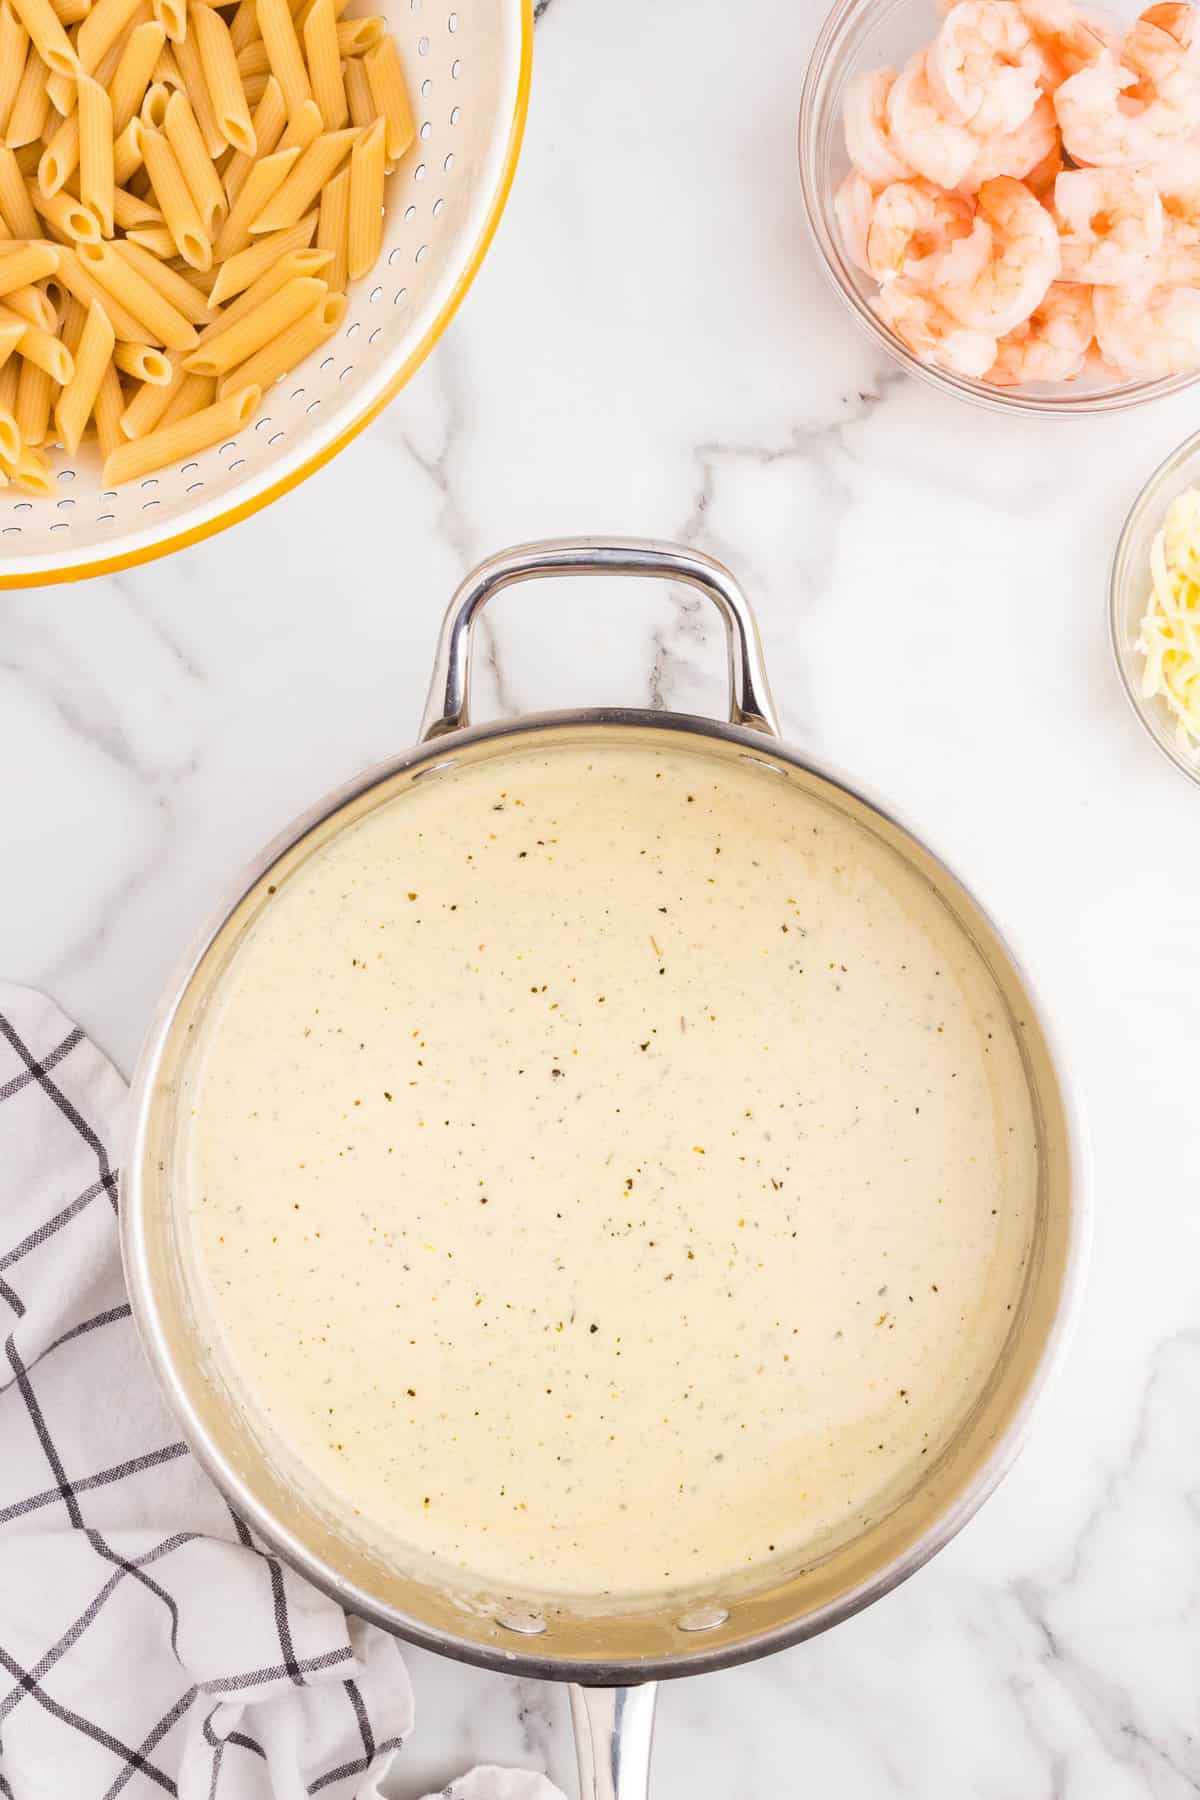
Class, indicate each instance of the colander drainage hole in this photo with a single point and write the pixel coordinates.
(64, 505)
(149, 505)
(276, 437)
(422, 46)
(452, 22)
(62, 525)
(312, 406)
(426, 87)
(12, 531)
(193, 487)
(374, 295)
(455, 114)
(426, 132)
(455, 71)
(448, 161)
(66, 475)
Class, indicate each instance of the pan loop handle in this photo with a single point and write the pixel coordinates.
(750, 702)
(613, 1731)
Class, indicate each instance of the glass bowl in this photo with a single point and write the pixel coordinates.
(867, 34)
(1129, 588)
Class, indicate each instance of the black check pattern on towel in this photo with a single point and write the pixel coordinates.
(147, 1643)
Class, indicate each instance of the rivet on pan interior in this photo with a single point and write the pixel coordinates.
(705, 1618)
(529, 1624)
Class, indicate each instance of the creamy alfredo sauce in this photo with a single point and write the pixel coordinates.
(609, 1169)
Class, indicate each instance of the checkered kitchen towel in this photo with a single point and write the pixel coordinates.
(147, 1644)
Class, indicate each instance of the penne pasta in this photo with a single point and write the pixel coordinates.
(31, 104)
(166, 69)
(333, 228)
(31, 472)
(296, 194)
(10, 437)
(74, 406)
(60, 91)
(101, 30)
(364, 234)
(283, 51)
(96, 182)
(144, 363)
(71, 322)
(185, 437)
(239, 271)
(127, 153)
(363, 110)
(15, 204)
(289, 350)
(253, 59)
(303, 128)
(196, 165)
(243, 27)
(225, 91)
(270, 117)
(150, 402)
(163, 322)
(110, 404)
(38, 347)
(260, 326)
(34, 306)
(70, 12)
(169, 283)
(31, 262)
(154, 238)
(390, 93)
(155, 101)
(10, 337)
(325, 65)
(80, 282)
(132, 75)
(47, 36)
(14, 47)
(255, 86)
(178, 208)
(60, 158)
(35, 387)
(133, 213)
(264, 180)
(187, 55)
(295, 263)
(193, 393)
(172, 16)
(356, 36)
(67, 217)
(301, 12)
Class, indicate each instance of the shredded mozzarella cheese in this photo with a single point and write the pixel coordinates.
(1169, 638)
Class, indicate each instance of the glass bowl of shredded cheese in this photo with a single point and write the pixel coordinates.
(1154, 607)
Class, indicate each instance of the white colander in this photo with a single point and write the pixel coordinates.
(468, 65)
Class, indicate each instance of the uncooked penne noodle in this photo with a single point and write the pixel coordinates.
(71, 321)
(356, 36)
(150, 402)
(243, 27)
(10, 437)
(67, 217)
(133, 213)
(256, 86)
(131, 78)
(325, 65)
(96, 151)
(83, 285)
(60, 158)
(35, 391)
(270, 117)
(40, 347)
(364, 235)
(194, 393)
(74, 406)
(259, 327)
(104, 26)
(195, 164)
(303, 128)
(48, 37)
(127, 153)
(283, 51)
(288, 268)
(167, 70)
(144, 363)
(31, 104)
(154, 238)
(30, 262)
(27, 157)
(187, 55)
(301, 13)
(155, 102)
(163, 323)
(390, 93)
(253, 59)
(31, 473)
(219, 63)
(186, 437)
(15, 203)
(10, 337)
(172, 16)
(14, 47)
(316, 166)
(363, 110)
(266, 177)
(169, 283)
(241, 270)
(34, 306)
(110, 404)
(333, 227)
(60, 92)
(290, 349)
(178, 208)
(70, 12)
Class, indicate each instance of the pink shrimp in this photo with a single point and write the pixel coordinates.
(1178, 185)
(1017, 153)
(912, 225)
(934, 146)
(1053, 342)
(868, 140)
(1151, 332)
(1000, 291)
(1067, 39)
(931, 333)
(1041, 178)
(1136, 110)
(1110, 226)
(853, 205)
(984, 66)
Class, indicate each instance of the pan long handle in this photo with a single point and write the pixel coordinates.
(613, 1732)
(750, 700)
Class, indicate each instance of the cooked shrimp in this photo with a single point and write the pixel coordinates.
(1017, 153)
(1178, 185)
(931, 333)
(1000, 292)
(1109, 115)
(984, 66)
(853, 204)
(1041, 179)
(912, 225)
(868, 141)
(1161, 46)
(935, 147)
(1052, 344)
(1067, 39)
(1110, 226)
(1152, 332)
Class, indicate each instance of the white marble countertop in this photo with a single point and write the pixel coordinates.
(651, 349)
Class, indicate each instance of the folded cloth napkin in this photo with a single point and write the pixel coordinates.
(148, 1644)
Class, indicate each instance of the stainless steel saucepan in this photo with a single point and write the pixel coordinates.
(612, 1656)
